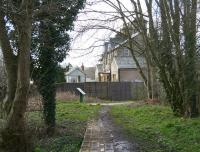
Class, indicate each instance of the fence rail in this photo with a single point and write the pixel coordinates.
(107, 90)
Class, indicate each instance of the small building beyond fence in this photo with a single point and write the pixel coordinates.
(107, 90)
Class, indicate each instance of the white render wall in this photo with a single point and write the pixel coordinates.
(73, 76)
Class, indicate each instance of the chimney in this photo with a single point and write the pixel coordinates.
(82, 67)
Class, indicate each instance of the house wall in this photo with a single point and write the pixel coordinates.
(104, 77)
(130, 75)
(96, 75)
(114, 72)
(109, 65)
(73, 77)
(121, 51)
(124, 74)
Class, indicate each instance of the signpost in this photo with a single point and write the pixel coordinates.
(82, 94)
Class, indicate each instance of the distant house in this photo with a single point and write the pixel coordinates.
(75, 75)
(117, 63)
(98, 72)
(125, 69)
(101, 74)
(90, 74)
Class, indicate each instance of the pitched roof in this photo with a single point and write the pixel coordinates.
(74, 69)
(114, 42)
(125, 41)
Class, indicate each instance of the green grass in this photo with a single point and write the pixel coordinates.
(71, 121)
(157, 129)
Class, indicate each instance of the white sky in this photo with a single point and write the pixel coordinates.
(81, 50)
(79, 53)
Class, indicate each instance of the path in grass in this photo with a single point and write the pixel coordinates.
(103, 136)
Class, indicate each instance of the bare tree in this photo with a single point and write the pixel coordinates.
(170, 45)
(122, 14)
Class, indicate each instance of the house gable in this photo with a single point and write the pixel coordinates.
(75, 71)
(75, 75)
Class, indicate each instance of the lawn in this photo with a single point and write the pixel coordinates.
(71, 120)
(157, 130)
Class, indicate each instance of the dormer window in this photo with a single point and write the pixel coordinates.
(126, 52)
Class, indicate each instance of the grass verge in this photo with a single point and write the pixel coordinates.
(71, 119)
(157, 129)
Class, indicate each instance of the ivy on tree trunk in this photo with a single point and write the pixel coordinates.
(47, 74)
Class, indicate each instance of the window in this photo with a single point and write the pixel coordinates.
(107, 78)
(114, 77)
(126, 52)
(79, 78)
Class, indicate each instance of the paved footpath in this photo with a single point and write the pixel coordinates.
(103, 136)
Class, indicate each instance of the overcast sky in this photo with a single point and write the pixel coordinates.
(81, 50)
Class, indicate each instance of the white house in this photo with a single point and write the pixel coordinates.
(75, 75)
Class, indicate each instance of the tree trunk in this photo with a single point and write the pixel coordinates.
(14, 135)
(10, 61)
(47, 75)
(11, 89)
(190, 103)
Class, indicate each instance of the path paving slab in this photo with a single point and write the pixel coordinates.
(103, 136)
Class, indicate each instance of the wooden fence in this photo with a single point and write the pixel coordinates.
(107, 90)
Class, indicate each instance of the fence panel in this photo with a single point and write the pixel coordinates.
(107, 90)
(102, 90)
